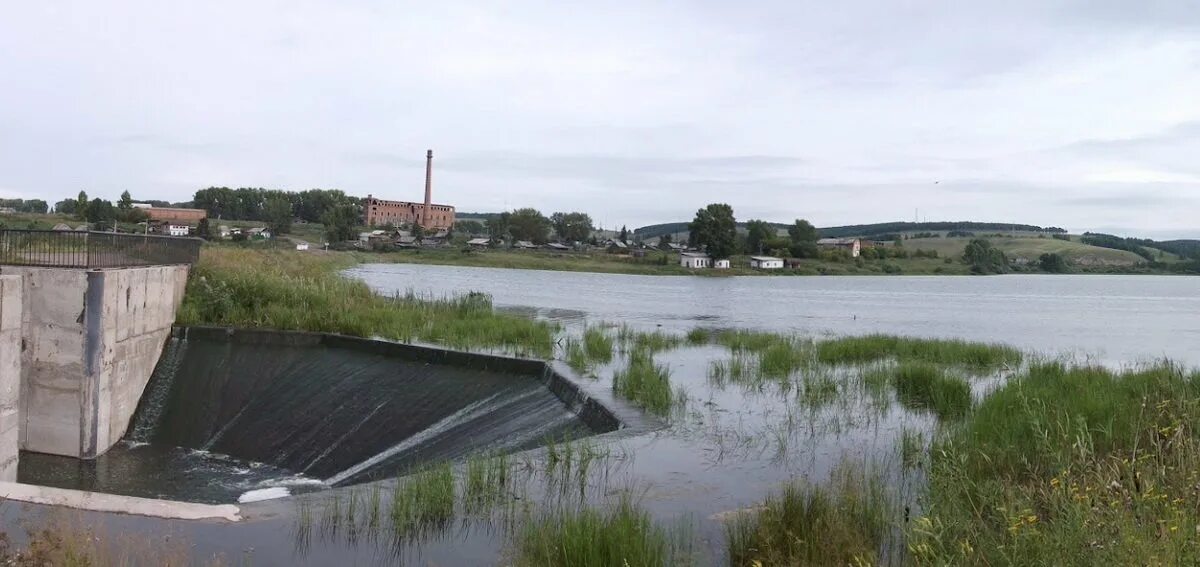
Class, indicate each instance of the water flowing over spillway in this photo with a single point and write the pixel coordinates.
(298, 412)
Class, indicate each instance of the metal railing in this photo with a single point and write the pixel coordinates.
(80, 249)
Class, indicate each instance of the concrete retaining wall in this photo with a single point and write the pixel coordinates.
(10, 375)
(92, 339)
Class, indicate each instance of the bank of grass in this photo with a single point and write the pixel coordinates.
(597, 345)
(1073, 466)
(873, 348)
(925, 386)
(622, 534)
(282, 289)
(424, 501)
(843, 522)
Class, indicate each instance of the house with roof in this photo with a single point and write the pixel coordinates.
(479, 243)
(851, 245)
(695, 260)
(766, 262)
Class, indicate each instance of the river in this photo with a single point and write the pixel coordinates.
(1107, 319)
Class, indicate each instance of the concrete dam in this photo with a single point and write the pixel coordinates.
(229, 412)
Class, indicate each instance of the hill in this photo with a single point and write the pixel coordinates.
(873, 230)
(1027, 249)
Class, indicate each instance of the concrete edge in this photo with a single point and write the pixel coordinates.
(113, 503)
(596, 406)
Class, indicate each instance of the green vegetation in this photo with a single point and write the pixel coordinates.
(1074, 465)
(303, 291)
(845, 522)
(624, 534)
(425, 500)
(984, 258)
(486, 479)
(597, 345)
(645, 383)
(872, 348)
(715, 229)
(925, 386)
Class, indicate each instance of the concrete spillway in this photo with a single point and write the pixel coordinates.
(299, 407)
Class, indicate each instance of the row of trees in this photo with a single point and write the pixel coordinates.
(530, 224)
(257, 204)
(26, 205)
(715, 229)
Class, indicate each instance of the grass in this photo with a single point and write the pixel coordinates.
(283, 289)
(621, 535)
(597, 345)
(485, 481)
(646, 384)
(423, 501)
(1071, 465)
(843, 523)
(924, 386)
(652, 342)
(748, 341)
(874, 348)
(912, 447)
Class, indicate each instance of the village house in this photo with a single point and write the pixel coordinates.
(694, 260)
(479, 243)
(722, 264)
(851, 245)
(766, 262)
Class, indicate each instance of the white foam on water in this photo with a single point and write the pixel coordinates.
(264, 494)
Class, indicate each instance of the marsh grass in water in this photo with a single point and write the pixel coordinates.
(597, 345)
(912, 447)
(423, 501)
(925, 386)
(622, 534)
(282, 289)
(1073, 465)
(844, 522)
(485, 483)
(874, 348)
(647, 384)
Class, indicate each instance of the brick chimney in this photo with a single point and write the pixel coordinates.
(428, 189)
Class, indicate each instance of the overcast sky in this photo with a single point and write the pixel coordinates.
(1081, 114)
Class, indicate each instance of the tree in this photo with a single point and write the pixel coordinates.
(418, 232)
(529, 224)
(65, 207)
(469, 227)
(498, 227)
(984, 258)
(803, 237)
(757, 234)
(624, 234)
(339, 222)
(126, 201)
(203, 230)
(1053, 263)
(572, 227)
(100, 211)
(715, 228)
(277, 212)
(81, 206)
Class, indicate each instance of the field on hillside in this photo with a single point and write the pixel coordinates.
(1030, 248)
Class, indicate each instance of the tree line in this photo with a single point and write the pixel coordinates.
(531, 225)
(715, 229)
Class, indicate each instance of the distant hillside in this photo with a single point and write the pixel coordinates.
(877, 229)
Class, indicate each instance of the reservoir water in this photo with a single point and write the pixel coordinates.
(1107, 319)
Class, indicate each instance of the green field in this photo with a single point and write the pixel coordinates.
(1030, 248)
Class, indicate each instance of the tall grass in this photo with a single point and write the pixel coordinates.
(283, 289)
(1073, 466)
(925, 386)
(646, 383)
(872, 348)
(597, 345)
(843, 523)
(485, 481)
(621, 535)
(423, 501)
(751, 341)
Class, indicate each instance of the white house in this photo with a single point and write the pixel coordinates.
(694, 260)
(722, 264)
(301, 246)
(177, 229)
(766, 262)
(851, 245)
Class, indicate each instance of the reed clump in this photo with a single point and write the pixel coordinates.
(597, 345)
(423, 501)
(623, 534)
(1073, 465)
(291, 290)
(925, 386)
(844, 522)
(645, 383)
(873, 348)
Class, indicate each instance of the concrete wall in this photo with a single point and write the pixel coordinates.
(10, 375)
(92, 340)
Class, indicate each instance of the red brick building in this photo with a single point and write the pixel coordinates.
(378, 212)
